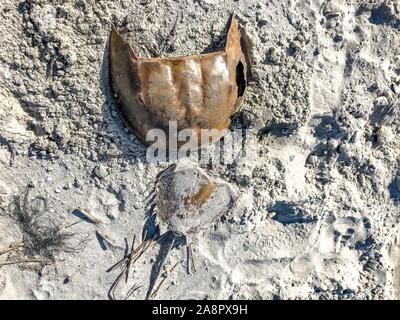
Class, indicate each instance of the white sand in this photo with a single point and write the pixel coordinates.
(318, 213)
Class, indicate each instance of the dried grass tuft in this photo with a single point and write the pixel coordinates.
(41, 237)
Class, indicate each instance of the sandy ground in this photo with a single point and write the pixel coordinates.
(318, 211)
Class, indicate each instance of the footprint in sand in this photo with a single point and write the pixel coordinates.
(343, 232)
(393, 259)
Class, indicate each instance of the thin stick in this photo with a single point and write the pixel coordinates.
(117, 264)
(192, 257)
(130, 260)
(129, 266)
(146, 246)
(153, 295)
(72, 224)
(115, 284)
(106, 238)
(11, 248)
(89, 216)
(118, 280)
(187, 260)
(129, 263)
(22, 261)
(132, 290)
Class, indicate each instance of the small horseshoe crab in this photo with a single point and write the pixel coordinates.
(184, 203)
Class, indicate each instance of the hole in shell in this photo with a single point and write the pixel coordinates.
(240, 79)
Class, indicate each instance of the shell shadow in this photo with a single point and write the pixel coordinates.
(168, 241)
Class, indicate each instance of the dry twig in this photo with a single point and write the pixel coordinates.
(131, 291)
(23, 261)
(153, 295)
(89, 216)
(11, 248)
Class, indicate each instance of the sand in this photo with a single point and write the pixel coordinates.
(317, 215)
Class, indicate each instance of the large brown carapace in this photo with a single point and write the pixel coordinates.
(196, 92)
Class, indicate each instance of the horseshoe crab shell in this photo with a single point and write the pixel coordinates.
(185, 202)
(188, 200)
(197, 91)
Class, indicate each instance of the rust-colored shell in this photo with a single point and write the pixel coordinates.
(198, 91)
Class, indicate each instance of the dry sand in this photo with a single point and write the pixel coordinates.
(318, 212)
